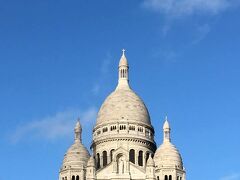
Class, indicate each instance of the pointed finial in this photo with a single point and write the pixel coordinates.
(166, 123)
(123, 72)
(150, 161)
(166, 130)
(123, 52)
(78, 131)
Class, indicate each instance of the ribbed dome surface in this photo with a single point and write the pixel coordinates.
(76, 156)
(167, 155)
(123, 105)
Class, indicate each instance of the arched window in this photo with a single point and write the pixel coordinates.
(73, 177)
(98, 160)
(104, 158)
(157, 177)
(111, 154)
(170, 177)
(105, 129)
(177, 177)
(140, 158)
(77, 178)
(166, 177)
(132, 156)
(65, 178)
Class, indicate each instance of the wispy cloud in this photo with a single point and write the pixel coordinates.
(201, 33)
(176, 8)
(53, 127)
(234, 176)
(104, 68)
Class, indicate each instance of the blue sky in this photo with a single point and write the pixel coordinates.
(59, 61)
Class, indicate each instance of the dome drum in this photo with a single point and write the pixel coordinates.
(125, 129)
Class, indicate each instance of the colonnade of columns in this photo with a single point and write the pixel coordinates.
(104, 158)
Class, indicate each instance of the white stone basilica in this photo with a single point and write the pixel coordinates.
(123, 146)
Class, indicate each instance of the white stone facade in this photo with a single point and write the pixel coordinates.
(123, 146)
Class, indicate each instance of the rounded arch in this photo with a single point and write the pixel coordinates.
(121, 165)
(77, 177)
(166, 177)
(119, 153)
(73, 177)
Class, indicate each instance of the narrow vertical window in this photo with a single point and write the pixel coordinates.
(166, 177)
(98, 161)
(73, 177)
(111, 154)
(132, 156)
(140, 158)
(104, 158)
(77, 178)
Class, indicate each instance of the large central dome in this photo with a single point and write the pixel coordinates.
(123, 105)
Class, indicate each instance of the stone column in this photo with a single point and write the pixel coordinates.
(136, 157)
(144, 159)
(114, 166)
(101, 161)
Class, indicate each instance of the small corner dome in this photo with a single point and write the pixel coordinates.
(168, 155)
(76, 156)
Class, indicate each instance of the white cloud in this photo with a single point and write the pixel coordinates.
(234, 176)
(202, 32)
(176, 8)
(53, 127)
(104, 68)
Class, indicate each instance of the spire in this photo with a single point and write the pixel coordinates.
(150, 161)
(123, 72)
(166, 131)
(78, 131)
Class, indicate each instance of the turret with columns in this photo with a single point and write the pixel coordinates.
(76, 158)
(168, 161)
